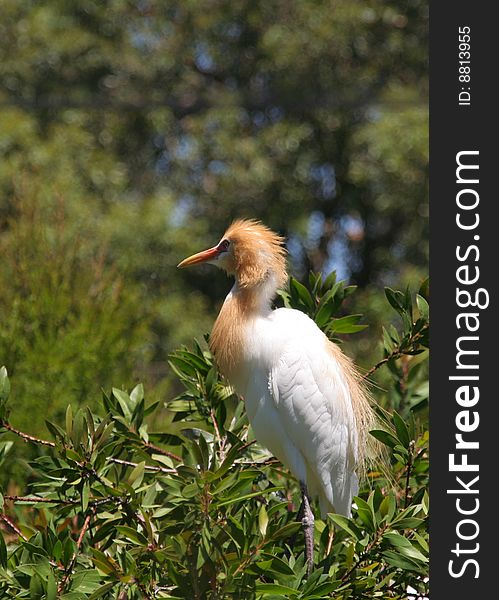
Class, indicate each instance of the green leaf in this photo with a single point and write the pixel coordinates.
(103, 562)
(425, 503)
(90, 421)
(407, 523)
(51, 593)
(299, 293)
(4, 385)
(124, 402)
(366, 513)
(404, 546)
(314, 281)
(132, 534)
(423, 307)
(274, 588)
(69, 420)
(137, 475)
(321, 591)
(424, 289)
(3, 552)
(181, 367)
(68, 549)
(277, 565)
(401, 429)
(388, 343)
(85, 494)
(137, 394)
(329, 281)
(347, 524)
(397, 540)
(395, 559)
(325, 312)
(102, 435)
(57, 550)
(421, 541)
(211, 379)
(78, 428)
(396, 299)
(384, 436)
(102, 591)
(388, 507)
(36, 591)
(408, 302)
(72, 455)
(228, 501)
(286, 531)
(347, 324)
(188, 366)
(349, 290)
(55, 430)
(263, 520)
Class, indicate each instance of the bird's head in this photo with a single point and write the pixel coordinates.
(251, 252)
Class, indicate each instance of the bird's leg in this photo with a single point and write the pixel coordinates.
(307, 522)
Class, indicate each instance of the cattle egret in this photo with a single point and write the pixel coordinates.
(303, 396)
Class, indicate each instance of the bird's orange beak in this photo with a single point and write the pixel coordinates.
(200, 257)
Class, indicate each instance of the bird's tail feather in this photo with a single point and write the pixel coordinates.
(368, 448)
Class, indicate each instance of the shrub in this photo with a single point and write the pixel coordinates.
(200, 510)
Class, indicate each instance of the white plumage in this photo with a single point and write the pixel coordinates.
(299, 405)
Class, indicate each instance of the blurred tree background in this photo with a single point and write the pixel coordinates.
(133, 131)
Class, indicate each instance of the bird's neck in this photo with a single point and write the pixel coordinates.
(242, 305)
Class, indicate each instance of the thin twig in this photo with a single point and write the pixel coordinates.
(250, 556)
(25, 436)
(158, 450)
(247, 445)
(221, 441)
(397, 353)
(255, 463)
(409, 468)
(129, 463)
(36, 499)
(92, 503)
(13, 526)
(393, 355)
(69, 568)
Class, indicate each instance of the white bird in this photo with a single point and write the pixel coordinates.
(303, 396)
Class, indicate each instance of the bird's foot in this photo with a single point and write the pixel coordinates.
(308, 523)
(308, 531)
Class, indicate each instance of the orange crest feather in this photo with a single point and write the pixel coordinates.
(258, 251)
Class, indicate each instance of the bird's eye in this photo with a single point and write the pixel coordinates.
(224, 245)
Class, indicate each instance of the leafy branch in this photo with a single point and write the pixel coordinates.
(199, 508)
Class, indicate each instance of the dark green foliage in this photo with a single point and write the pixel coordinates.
(68, 320)
(197, 509)
(322, 302)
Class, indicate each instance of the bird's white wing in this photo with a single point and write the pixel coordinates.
(314, 407)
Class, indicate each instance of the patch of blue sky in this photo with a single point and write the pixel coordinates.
(181, 211)
(325, 175)
(204, 61)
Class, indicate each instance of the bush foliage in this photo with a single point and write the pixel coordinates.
(114, 509)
